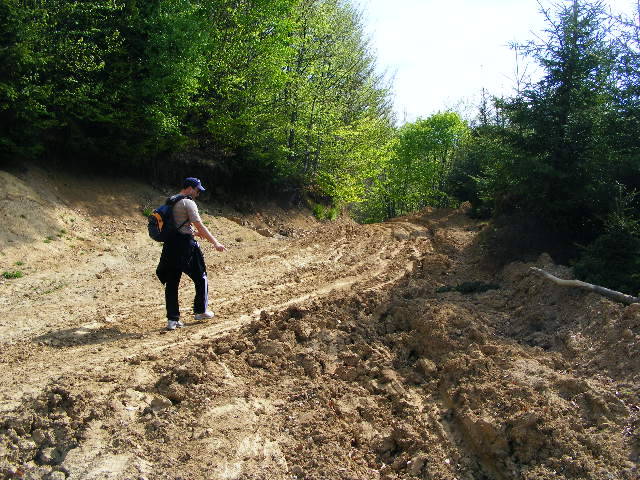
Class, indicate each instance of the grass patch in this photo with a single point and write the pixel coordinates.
(13, 274)
(19, 264)
(322, 212)
(146, 211)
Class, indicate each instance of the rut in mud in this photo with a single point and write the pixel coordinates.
(338, 351)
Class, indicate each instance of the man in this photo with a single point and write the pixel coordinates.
(182, 254)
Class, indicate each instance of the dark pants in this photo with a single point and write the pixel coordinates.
(183, 256)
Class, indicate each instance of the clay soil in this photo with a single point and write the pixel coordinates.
(338, 351)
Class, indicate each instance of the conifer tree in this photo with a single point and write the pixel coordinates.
(558, 125)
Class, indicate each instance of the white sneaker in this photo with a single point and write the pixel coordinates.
(204, 316)
(173, 324)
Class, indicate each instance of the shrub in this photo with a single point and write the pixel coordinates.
(520, 237)
(476, 173)
(13, 274)
(612, 261)
(322, 212)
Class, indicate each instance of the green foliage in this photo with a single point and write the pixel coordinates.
(549, 162)
(416, 173)
(613, 259)
(12, 274)
(22, 111)
(522, 237)
(158, 69)
(477, 171)
(71, 43)
(325, 212)
(561, 153)
(276, 90)
(336, 110)
(238, 105)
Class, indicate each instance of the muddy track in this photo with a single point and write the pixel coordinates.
(267, 276)
(334, 352)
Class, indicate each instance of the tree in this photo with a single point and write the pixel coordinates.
(237, 113)
(418, 169)
(283, 90)
(478, 169)
(557, 126)
(336, 105)
(21, 105)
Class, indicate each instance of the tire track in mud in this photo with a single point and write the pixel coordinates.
(367, 256)
(357, 370)
(107, 347)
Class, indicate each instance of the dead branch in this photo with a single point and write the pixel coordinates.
(605, 292)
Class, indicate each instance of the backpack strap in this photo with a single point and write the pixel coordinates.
(175, 199)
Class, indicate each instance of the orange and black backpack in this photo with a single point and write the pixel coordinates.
(162, 225)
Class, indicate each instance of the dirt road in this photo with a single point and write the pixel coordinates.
(335, 351)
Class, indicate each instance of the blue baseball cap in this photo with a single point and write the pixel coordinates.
(192, 182)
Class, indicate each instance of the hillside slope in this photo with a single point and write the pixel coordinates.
(335, 351)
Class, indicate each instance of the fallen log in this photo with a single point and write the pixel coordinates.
(605, 292)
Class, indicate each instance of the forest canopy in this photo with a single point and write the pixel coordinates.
(286, 95)
(281, 92)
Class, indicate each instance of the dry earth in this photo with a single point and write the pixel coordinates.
(333, 354)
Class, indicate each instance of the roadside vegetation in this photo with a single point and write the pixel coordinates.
(557, 166)
(12, 274)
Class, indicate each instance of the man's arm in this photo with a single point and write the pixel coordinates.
(204, 232)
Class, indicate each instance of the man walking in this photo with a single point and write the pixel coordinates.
(182, 254)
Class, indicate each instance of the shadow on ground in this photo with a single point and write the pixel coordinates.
(82, 336)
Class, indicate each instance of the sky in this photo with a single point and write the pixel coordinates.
(441, 53)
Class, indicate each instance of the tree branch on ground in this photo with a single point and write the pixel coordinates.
(605, 292)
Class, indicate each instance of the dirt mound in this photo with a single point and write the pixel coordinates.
(339, 351)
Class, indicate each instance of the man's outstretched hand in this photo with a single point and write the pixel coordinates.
(203, 232)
